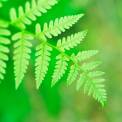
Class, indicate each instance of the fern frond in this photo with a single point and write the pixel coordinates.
(90, 66)
(42, 62)
(73, 74)
(32, 11)
(95, 74)
(71, 41)
(93, 86)
(82, 70)
(84, 55)
(86, 76)
(60, 68)
(4, 50)
(59, 25)
(89, 80)
(21, 55)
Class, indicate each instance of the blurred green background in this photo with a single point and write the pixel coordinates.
(103, 19)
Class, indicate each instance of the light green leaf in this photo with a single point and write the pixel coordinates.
(95, 74)
(90, 65)
(4, 50)
(21, 57)
(93, 86)
(59, 25)
(32, 11)
(84, 55)
(72, 76)
(60, 68)
(42, 63)
(71, 41)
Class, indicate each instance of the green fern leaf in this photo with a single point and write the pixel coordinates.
(4, 50)
(90, 66)
(71, 41)
(32, 10)
(92, 86)
(42, 63)
(97, 88)
(74, 71)
(81, 71)
(21, 55)
(60, 68)
(84, 55)
(60, 25)
(95, 74)
(86, 78)
(73, 74)
(80, 81)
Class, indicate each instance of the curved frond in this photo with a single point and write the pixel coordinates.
(60, 68)
(32, 11)
(86, 76)
(4, 50)
(21, 55)
(82, 69)
(71, 41)
(93, 85)
(42, 62)
(59, 25)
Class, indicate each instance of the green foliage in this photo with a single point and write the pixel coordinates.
(4, 41)
(60, 68)
(82, 69)
(72, 76)
(21, 55)
(71, 41)
(32, 10)
(1, 2)
(60, 25)
(42, 62)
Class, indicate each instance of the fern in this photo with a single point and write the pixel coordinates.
(92, 86)
(71, 41)
(90, 66)
(88, 78)
(60, 68)
(84, 55)
(60, 25)
(81, 67)
(81, 56)
(4, 50)
(32, 10)
(21, 55)
(72, 76)
(42, 63)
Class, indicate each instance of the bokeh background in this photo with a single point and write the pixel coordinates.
(103, 19)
